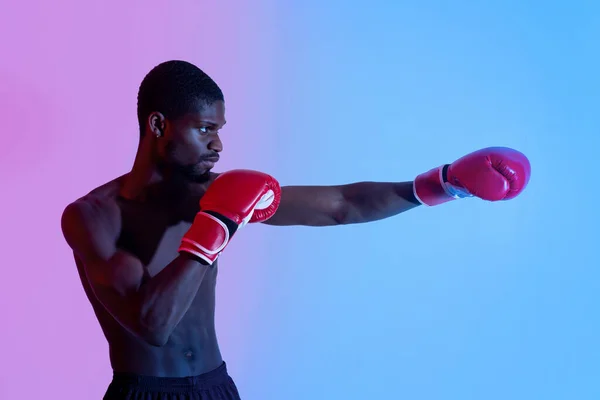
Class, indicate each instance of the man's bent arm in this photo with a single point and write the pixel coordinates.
(164, 299)
(149, 310)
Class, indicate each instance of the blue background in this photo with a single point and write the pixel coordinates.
(470, 300)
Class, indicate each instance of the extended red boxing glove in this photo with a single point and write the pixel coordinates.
(493, 174)
(234, 198)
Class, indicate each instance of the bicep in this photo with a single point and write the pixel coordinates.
(114, 275)
(310, 206)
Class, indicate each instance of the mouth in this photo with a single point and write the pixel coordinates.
(209, 162)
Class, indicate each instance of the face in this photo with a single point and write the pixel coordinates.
(189, 146)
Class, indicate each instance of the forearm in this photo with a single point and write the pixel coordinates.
(166, 297)
(372, 201)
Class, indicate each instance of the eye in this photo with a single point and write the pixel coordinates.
(205, 130)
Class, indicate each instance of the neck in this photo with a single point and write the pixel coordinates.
(143, 173)
(147, 182)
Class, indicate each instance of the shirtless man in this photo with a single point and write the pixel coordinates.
(146, 244)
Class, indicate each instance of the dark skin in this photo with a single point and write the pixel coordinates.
(155, 306)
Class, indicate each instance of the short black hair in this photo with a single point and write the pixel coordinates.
(174, 89)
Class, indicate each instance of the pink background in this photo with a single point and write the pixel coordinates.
(68, 83)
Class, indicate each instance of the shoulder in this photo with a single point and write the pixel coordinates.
(108, 190)
(105, 193)
(100, 202)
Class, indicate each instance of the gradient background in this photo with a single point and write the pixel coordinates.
(470, 300)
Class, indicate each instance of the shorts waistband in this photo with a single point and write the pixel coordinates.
(217, 376)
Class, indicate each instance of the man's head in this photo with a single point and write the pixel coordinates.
(181, 109)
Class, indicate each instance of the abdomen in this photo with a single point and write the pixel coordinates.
(192, 348)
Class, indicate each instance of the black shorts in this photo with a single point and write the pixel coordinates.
(213, 385)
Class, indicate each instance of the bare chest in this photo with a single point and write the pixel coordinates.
(155, 240)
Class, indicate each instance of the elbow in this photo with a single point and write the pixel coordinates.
(155, 338)
(156, 335)
(153, 328)
(344, 212)
(148, 335)
(340, 217)
(157, 341)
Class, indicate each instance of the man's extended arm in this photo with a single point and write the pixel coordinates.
(343, 204)
(495, 173)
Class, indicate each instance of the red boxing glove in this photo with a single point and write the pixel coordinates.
(493, 174)
(234, 198)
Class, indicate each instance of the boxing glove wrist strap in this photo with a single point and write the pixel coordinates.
(453, 191)
(433, 188)
(208, 236)
(231, 226)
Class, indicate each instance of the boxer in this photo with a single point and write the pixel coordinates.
(146, 244)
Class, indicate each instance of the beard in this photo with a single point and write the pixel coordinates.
(192, 173)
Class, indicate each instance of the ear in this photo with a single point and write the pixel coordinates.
(156, 124)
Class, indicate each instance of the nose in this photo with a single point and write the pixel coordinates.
(215, 144)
